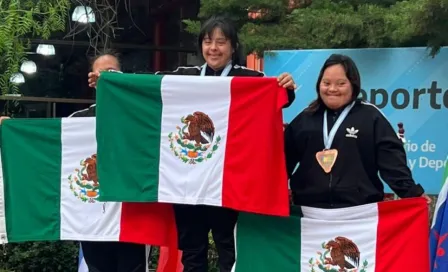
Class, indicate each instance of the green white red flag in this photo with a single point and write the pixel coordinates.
(50, 189)
(381, 237)
(192, 140)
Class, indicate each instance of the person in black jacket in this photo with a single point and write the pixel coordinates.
(341, 144)
(219, 45)
(110, 256)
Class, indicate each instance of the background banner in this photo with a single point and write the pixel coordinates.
(405, 83)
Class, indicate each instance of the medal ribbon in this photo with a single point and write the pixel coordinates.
(329, 137)
(224, 73)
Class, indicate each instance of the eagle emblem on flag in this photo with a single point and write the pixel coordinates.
(341, 255)
(84, 182)
(195, 141)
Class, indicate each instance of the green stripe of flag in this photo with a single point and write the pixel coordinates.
(256, 231)
(33, 185)
(118, 112)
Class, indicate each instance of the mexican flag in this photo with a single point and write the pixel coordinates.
(50, 189)
(381, 237)
(192, 140)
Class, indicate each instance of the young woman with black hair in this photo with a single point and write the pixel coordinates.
(220, 47)
(341, 145)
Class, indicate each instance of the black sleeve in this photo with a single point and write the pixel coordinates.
(292, 152)
(392, 161)
(291, 97)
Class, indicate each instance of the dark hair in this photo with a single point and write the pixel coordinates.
(105, 52)
(351, 72)
(228, 29)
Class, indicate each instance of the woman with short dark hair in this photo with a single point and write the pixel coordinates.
(219, 45)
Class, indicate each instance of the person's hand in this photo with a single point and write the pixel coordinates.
(428, 199)
(93, 78)
(3, 118)
(285, 80)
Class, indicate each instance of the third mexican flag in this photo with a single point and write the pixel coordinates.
(380, 237)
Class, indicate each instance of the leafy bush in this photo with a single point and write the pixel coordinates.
(20, 20)
(40, 256)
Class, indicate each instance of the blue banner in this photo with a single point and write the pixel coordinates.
(405, 83)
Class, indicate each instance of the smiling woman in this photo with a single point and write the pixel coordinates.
(335, 88)
(219, 45)
(343, 145)
(338, 83)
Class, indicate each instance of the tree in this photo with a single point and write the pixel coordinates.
(305, 24)
(21, 20)
(40, 256)
(432, 24)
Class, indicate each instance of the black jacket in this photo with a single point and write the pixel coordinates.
(236, 70)
(367, 145)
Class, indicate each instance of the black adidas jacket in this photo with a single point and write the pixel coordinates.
(236, 70)
(367, 145)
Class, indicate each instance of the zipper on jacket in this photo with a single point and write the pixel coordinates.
(331, 190)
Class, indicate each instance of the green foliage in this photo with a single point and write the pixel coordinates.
(21, 20)
(63, 256)
(327, 24)
(307, 24)
(40, 256)
(212, 255)
(432, 23)
(238, 9)
(192, 26)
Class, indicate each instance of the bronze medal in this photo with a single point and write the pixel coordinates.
(326, 159)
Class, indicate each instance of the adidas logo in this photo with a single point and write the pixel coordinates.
(351, 133)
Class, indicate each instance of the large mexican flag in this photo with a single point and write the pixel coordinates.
(50, 189)
(384, 237)
(192, 140)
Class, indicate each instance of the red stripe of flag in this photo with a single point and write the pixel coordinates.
(255, 177)
(153, 224)
(409, 250)
(148, 223)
